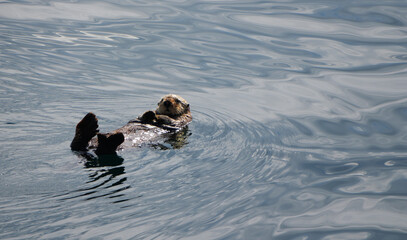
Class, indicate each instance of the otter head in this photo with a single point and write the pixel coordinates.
(172, 106)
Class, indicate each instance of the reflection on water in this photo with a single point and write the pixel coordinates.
(299, 127)
(105, 178)
(174, 140)
(102, 160)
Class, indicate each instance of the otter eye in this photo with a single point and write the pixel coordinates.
(177, 101)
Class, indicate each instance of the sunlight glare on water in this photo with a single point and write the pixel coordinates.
(299, 129)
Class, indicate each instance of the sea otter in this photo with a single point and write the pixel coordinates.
(172, 114)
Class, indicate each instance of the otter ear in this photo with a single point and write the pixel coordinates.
(160, 102)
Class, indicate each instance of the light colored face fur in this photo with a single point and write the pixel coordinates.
(172, 105)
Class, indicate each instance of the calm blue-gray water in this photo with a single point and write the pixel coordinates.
(299, 130)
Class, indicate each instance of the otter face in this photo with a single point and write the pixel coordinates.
(172, 105)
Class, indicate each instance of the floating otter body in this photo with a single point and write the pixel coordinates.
(172, 114)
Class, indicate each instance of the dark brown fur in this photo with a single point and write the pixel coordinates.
(172, 114)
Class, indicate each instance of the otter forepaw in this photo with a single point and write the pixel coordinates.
(148, 117)
(165, 120)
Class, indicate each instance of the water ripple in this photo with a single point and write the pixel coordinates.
(71, 11)
(299, 119)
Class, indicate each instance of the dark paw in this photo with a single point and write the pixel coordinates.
(116, 139)
(148, 117)
(86, 129)
(107, 144)
(165, 120)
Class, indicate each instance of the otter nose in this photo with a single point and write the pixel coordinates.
(167, 103)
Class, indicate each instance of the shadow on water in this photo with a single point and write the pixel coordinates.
(105, 173)
(108, 172)
(110, 160)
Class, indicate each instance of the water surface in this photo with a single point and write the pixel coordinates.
(299, 129)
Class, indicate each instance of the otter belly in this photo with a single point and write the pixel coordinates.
(136, 135)
(139, 134)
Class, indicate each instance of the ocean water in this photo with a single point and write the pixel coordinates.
(299, 130)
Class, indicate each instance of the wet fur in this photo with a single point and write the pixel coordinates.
(172, 114)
